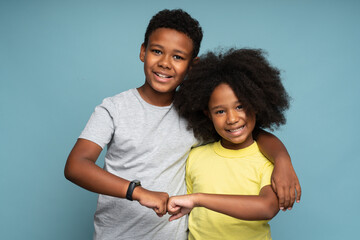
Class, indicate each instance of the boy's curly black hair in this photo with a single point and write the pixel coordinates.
(254, 81)
(178, 20)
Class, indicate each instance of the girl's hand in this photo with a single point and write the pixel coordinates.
(154, 200)
(179, 206)
(286, 184)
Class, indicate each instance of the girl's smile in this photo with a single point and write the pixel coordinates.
(230, 119)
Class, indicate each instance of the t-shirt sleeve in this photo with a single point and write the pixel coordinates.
(100, 127)
(189, 187)
(266, 174)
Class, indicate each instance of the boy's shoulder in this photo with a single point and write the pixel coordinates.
(120, 98)
(122, 95)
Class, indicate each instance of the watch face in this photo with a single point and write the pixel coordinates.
(137, 182)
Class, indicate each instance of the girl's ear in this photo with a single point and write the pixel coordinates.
(142, 52)
(206, 112)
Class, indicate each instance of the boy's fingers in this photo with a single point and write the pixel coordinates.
(280, 194)
(287, 198)
(273, 184)
(298, 192)
(161, 210)
(159, 215)
(292, 197)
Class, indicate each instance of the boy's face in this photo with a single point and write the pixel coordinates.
(230, 119)
(167, 59)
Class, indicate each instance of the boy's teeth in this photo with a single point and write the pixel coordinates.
(163, 76)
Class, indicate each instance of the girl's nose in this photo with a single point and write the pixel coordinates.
(232, 117)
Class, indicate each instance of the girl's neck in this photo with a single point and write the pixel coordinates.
(236, 146)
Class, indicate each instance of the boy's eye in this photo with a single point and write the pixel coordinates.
(177, 57)
(156, 51)
(239, 107)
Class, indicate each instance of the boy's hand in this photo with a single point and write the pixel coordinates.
(179, 206)
(286, 184)
(154, 200)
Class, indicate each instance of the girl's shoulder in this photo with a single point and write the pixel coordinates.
(201, 151)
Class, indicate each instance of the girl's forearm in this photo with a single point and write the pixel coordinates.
(242, 207)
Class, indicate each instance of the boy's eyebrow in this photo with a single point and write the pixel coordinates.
(181, 52)
(156, 45)
(176, 50)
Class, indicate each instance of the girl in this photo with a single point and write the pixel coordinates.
(228, 98)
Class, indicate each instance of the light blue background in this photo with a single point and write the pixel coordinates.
(59, 59)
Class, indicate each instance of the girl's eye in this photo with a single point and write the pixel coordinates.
(219, 112)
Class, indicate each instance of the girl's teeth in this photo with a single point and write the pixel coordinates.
(235, 130)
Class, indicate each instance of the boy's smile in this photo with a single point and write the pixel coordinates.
(230, 119)
(167, 59)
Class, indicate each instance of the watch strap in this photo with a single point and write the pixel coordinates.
(133, 184)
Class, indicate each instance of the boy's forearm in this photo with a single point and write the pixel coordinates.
(272, 148)
(88, 175)
(284, 180)
(81, 169)
(241, 207)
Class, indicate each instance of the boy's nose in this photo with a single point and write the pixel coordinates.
(165, 62)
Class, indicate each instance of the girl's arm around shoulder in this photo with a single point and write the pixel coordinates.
(284, 179)
(81, 169)
(246, 207)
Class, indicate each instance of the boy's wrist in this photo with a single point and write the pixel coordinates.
(138, 191)
(132, 186)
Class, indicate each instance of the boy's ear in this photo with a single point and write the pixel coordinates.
(142, 52)
(194, 61)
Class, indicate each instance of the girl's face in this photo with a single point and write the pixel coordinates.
(230, 119)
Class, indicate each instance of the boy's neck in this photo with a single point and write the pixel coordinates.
(155, 98)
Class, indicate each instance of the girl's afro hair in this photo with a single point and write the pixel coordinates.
(254, 81)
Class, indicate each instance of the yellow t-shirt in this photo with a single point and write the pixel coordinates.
(215, 169)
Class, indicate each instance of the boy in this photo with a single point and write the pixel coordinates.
(146, 140)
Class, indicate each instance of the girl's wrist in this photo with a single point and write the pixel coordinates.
(197, 199)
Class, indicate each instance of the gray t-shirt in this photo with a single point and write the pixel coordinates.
(147, 143)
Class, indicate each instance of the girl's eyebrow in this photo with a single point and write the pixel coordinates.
(222, 106)
(216, 107)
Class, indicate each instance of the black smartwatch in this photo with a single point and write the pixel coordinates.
(132, 186)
